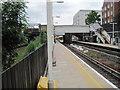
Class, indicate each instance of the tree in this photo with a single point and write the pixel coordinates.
(13, 22)
(92, 17)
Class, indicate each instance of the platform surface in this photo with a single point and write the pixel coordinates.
(103, 45)
(72, 72)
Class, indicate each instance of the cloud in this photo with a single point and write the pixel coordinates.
(37, 10)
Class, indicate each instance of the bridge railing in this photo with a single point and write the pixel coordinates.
(26, 73)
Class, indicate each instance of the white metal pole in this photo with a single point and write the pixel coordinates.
(113, 23)
(52, 33)
(49, 38)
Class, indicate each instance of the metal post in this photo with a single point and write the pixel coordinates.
(113, 25)
(52, 34)
(49, 41)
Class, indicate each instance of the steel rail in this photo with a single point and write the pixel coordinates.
(109, 50)
(109, 70)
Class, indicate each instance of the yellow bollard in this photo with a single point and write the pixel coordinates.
(43, 83)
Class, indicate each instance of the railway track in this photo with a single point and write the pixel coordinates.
(109, 73)
(108, 50)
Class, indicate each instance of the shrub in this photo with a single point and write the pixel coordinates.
(30, 47)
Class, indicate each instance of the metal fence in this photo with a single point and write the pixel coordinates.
(26, 73)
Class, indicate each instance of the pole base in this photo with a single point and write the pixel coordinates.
(50, 85)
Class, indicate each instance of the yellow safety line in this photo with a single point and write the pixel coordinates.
(83, 68)
(55, 85)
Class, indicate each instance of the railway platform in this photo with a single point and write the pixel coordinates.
(71, 72)
(101, 45)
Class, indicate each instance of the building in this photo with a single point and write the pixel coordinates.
(108, 18)
(79, 19)
(43, 27)
(33, 28)
(107, 11)
(80, 16)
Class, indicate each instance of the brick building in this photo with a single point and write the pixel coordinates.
(107, 11)
(107, 18)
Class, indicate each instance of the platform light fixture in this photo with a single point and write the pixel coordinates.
(113, 23)
(56, 1)
(60, 1)
(50, 39)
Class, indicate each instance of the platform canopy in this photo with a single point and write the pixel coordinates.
(62, 29)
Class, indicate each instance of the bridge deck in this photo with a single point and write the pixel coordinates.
(72, 72)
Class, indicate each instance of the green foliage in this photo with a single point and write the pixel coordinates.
(33, 45)
(30, 36)
(13, 22)
(43, 36)
(92, 17)
(30, 47)
(93, 55)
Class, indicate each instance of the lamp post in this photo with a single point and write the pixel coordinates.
(113, 23)
(50, 40)
(113, 34)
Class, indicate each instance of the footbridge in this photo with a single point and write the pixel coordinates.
(62, 29)
(67, 30)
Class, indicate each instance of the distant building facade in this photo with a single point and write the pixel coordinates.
(107, 11)
(80, 16)
(108, 19)
(43, 27)
(79, 19)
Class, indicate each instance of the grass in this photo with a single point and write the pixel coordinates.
(21, 54)
(92, 54)
(33, 45)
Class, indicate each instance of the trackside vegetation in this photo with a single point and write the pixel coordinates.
(33, 45)
(14, 23)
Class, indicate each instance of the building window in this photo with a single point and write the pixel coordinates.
(111, 20)
(105, 21)
(108, 6)
(108, 13)
(105, 15)
(111, 4)
(105, 8)
(108, 20)
(111, 13)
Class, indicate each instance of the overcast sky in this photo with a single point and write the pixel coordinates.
(37, 10)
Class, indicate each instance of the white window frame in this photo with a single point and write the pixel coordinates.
(111, 12)
(111, 19)
(111, 4)
(105, 21)
(105, 15)
(105, 8)
(108, 13)
(108, 6)
(108, 20)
